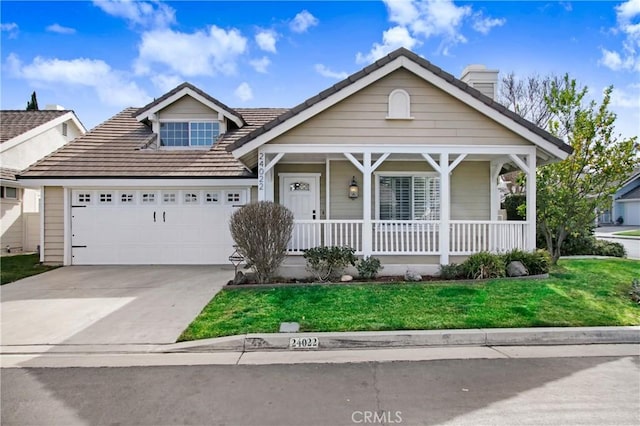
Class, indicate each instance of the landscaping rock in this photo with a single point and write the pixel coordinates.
(515, 268)
(411, 275)
(346, 278)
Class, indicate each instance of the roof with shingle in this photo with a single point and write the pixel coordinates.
(381, 63)
(8, 174)
(118, 148)
(16, 122)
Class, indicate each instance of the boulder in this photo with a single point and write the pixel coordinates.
(346, 278)
(411, 275)
(515, 268)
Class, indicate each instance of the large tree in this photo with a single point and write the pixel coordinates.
(32, 105)
(570, 191)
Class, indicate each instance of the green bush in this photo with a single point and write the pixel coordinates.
(368, 267)
(609, 248)
(329, 262)
(588, 244)
(483, 265)
(536, 262)
(452, 271)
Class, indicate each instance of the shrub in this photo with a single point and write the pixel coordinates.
(262, 231)
(452, 271)
(585, 244)
(328, 262)
(483, 265)
(368, 267)
(511, 204)
(609, 248)
(536, 262)
(635, 290)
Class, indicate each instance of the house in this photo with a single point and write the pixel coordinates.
(626, 201)
(26, 137)
(400, 160)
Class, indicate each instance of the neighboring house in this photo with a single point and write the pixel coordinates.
(26, 137)
(625, 203)
(400, 160)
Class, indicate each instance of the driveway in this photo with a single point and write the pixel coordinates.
(631, 244)
(79, 305)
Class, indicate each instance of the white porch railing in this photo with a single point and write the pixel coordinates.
(401, 237)
(472, 236)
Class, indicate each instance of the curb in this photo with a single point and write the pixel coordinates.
(418, 338)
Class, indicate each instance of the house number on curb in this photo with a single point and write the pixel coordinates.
(303, 343)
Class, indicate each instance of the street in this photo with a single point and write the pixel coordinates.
(576, 390)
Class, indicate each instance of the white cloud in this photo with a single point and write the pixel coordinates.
(260, 65)
(302, 22)
(11, 28)
(191, 54)
(625, 99)
(266, 40)
(628, 23)
(112, 87)
(141, 13)
(326, 72)
(402, 12)
(392, 39)
(484, 24)
(57, 28)
(165, 82)
(244, 92)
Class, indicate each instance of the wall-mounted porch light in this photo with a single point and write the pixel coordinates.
(353, 189)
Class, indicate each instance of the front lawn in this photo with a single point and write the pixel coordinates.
(13, 268)
(585, 292)
(632, 233)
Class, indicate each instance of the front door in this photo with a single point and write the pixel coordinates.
(300, 193)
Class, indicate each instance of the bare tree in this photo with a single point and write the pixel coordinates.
(526, 96)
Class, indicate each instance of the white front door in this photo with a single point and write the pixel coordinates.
(300, 193)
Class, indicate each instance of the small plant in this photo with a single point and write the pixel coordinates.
(483, 265)
(329, 262)
(368, 267)
(536, 262)
(452, 271)
(262, 231)
(635, 290)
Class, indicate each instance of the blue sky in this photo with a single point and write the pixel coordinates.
(100, 57)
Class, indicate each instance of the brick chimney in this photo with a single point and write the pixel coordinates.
(482, 79)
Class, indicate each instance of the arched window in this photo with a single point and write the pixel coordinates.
(399, 105)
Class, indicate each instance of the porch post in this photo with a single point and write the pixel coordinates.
(445, 208)
(367, 232)
(531, 200)
(494, 172)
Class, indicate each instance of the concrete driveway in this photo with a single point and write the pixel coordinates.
(102, 305)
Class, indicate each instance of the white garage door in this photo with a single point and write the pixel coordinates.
(138, 227)
(631, 212)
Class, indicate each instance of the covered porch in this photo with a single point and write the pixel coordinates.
(413, 200)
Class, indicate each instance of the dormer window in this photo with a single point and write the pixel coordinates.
(188, 133)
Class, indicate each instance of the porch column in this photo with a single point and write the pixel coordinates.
(445, 208)
(531, 201)
(494, 173)
(367, 231)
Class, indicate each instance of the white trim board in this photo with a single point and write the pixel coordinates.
(139, 183)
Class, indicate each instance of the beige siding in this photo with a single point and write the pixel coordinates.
(53, 225)
(470, 192)
(301, 168)
(469, 188)
(11, 225)
(438, 119)
(187, 108)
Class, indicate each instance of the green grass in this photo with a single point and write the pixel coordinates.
(581, 292)
(632, 233)
(13, 268)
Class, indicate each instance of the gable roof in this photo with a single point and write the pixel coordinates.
(8, 174)
(445, 79)
(117, 149)
(631, 195)
(188, 89)
(17, 122)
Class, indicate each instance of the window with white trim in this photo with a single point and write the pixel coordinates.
(84, 197)
(105, 198)
(233, 197)
(169, 198)
(127, 198)
(212, 197)
(399, 105)
(191, 198)
(148, 198)
(409, 198)
(189, 133)
(9, 192)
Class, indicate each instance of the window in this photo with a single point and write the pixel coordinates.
(64, 129)
(148, 198)
(195, 133)
(191, 197)
(169, 198)
(409, 198)
(105, 198)
(211, 197)
(233, 197)
(126, 198)
(84, 197)
(9, 192)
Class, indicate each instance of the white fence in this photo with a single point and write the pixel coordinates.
(472, 236)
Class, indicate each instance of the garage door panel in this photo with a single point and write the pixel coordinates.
(150, 233)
